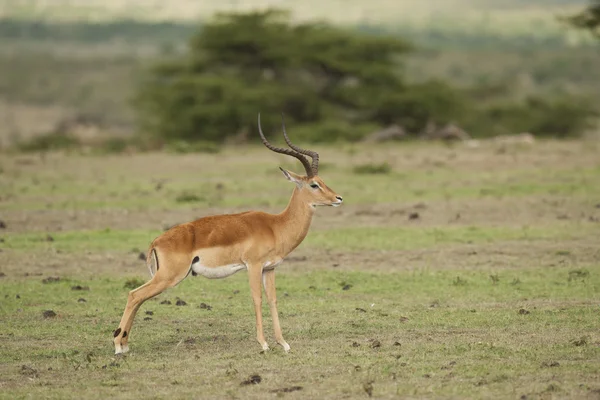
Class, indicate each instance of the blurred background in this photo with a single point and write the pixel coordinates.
(121, 75)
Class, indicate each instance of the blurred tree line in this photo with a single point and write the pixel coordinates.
(332, 84)
(588, 19)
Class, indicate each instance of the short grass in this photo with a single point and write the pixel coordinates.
(351, 239)
(456, 273)
(423, 333)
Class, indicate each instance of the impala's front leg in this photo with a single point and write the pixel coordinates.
(254, 275)
(269, 282)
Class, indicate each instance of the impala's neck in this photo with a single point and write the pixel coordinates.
(293, 222)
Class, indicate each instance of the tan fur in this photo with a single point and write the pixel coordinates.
(251, 238)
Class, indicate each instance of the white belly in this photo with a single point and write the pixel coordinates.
(217, 272)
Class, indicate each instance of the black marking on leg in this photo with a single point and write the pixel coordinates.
(117, 332)
(194, 273)
(124, 334)
(195, 260)
(155, 259)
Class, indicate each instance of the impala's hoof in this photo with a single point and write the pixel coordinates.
(265, 346)
(286, 347)
(121, 349)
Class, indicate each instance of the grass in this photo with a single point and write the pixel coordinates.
(350, 239)
(407, 334)
(62, 186)
(461, 273)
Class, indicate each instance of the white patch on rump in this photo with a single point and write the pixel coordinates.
(217, 272)
(271, 264)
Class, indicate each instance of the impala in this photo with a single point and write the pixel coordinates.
(220, 245)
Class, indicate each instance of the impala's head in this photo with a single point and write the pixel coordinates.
(310, 186)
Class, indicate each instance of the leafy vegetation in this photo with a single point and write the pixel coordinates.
(333, 84)
(588, 19)
(240, 64)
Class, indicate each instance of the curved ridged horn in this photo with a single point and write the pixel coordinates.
(303, 160)
(312, 154)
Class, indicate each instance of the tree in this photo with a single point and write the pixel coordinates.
(240, 64)
(588, 19)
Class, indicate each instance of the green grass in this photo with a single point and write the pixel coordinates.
(53, 189)
(500, 301)
(350, 239)
(435, 338)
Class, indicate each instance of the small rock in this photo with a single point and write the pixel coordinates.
(149, 312)
(147, 318)
(79, 287)
(392, 132)
(49, 314)
(414, 215)
(346, 286)
(51, 279)
(375, 344)
(360, 309)
(397, 344)
(2, 224)
(205, 306)
(252, 380)
(142, 256)
(523, 311)
(81, 300)
(355, 344)
(167, 302)
(403, 319)
(180, 303)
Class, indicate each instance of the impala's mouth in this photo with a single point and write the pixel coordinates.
(335, 204)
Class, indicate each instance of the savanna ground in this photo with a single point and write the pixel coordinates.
(449, 272)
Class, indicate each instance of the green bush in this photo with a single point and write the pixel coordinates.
(52, 141)
(182, 146)
(556, 117)
(331, 83)
(373, 169)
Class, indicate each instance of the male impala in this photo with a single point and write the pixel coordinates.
(221, 245)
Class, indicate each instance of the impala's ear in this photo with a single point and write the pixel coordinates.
(292, 177)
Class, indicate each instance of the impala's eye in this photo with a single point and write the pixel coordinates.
(314, 185)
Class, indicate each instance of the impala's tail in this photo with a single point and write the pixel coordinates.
(152, 261)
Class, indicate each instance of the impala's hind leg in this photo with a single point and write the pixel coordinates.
(164, 279)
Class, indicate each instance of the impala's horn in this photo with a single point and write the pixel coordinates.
(312, 154)
(296, 152)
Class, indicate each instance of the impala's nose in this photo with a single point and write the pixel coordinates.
(339, 198)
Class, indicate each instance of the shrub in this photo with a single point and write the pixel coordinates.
(52, 141)
(331, 83)
(383, 168)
